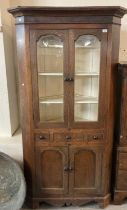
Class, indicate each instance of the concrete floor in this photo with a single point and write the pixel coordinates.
(86, 207)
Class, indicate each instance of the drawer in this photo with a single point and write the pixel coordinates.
(123, 160)
(95, 137)
(79, 136)
(122, 180)
(62, 136)
(42, 136)
(68, 136)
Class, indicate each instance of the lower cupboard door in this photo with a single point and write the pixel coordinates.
(51, 175)
(85, 170)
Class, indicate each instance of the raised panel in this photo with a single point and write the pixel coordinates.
(85, 169)
(50, 163)
(86, 166)
(123, 161)
(48, 158)
(122, 180)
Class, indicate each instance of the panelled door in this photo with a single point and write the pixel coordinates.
(51, 170)
(85, 170)
(69, 77)
(68, 170)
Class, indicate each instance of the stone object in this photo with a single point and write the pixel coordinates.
(12, 184)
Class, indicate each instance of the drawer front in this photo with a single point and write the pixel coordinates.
(122, 180)
(95, 137)
(123, 139)
(62, 137)
(66, 137)
(44, 137)
(78, 137)
(123, 160)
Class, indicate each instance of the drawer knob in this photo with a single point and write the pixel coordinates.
(42, 137)
(68, 137)
(70, 169)
(121, 136)
(95, 137)
(66, 168)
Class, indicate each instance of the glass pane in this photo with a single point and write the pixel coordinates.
(50, 78)
(87, 72)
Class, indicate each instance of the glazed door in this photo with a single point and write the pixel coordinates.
(85, 166)
(88, 50)
(69, 77)
(51, 170)
(49, 64)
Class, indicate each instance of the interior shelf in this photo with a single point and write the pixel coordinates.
(46, 46)
(61, 74)
(51, 100)
(85, 100)
(50, 74)
(58, 119)
(61, 46)
(87, 47)
(82, 119)
(87, 74)
(78, 100)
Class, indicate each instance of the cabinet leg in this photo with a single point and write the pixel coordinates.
(119, 197)
(104, 202)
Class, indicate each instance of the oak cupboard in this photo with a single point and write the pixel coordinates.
(67, 60)
(120, 187)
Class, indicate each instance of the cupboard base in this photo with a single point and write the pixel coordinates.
(119, 197)
(103, 202)
(32, 203)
